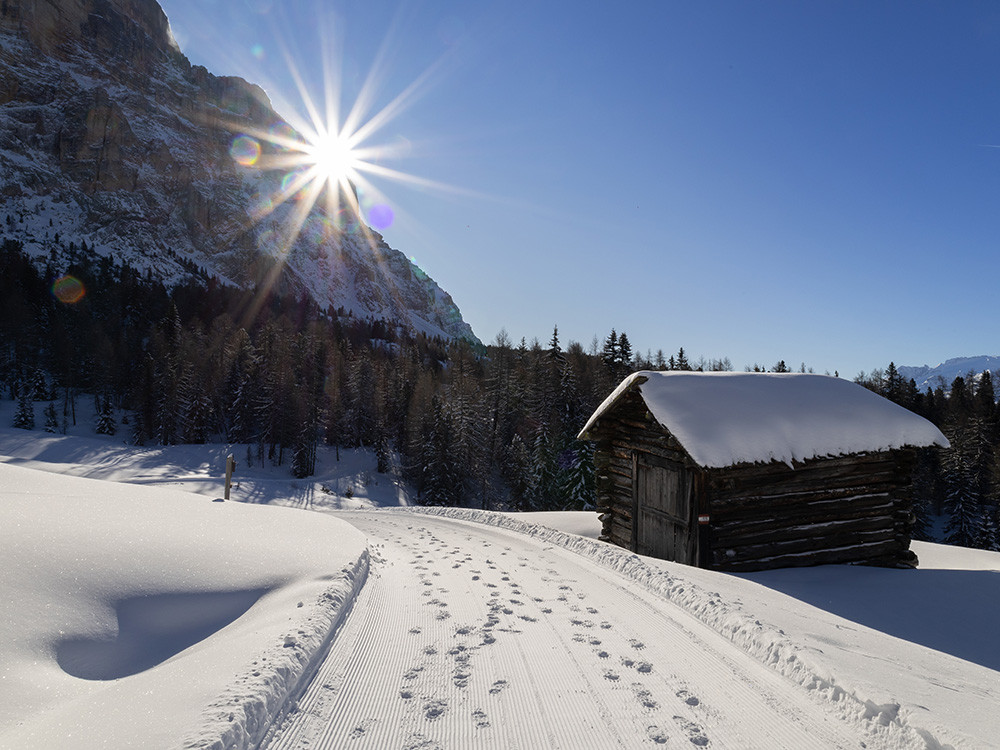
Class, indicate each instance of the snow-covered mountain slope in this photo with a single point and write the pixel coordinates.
(944, 373)
(110, 137)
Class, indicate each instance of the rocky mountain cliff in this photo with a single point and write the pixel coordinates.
(109, 136)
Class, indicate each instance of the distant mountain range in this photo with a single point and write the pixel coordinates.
(944, 373)
(110, 137)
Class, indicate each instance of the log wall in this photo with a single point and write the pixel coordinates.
(849, 509)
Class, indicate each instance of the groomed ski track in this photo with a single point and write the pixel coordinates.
(471, 636)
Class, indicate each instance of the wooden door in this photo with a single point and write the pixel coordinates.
(662, 515)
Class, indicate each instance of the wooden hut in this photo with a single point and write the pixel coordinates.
(747, 471)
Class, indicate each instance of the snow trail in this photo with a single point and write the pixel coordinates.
(470, 636)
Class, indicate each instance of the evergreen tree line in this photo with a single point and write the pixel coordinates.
(961, 483)
(490, 426)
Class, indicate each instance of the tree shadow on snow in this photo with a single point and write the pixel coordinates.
(953, 611)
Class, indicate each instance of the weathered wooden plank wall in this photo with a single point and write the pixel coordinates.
(849, 509)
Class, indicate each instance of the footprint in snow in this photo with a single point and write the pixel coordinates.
(644, 697)
(693, 731)
(498, 687)
(435, 709)
(636, 644)
(685, 696)
(657, 735)
(479, 716)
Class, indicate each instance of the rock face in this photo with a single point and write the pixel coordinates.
(109, 136)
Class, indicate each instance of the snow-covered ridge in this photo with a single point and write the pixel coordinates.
(943, 374)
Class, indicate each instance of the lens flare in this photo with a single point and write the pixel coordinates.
(68, 289)
(281, 134)
(245, 150)
(380, 216)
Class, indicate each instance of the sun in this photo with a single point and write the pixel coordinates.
(324, 163)
(333, 158)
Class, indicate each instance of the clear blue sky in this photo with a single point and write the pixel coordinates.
(807, 181)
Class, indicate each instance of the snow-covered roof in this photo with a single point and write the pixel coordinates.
(726, 418)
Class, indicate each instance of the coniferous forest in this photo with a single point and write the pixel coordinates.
(484, 426)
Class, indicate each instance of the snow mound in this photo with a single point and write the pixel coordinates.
(146, 617)
(726, 418)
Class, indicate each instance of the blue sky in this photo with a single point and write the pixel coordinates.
(807, 181)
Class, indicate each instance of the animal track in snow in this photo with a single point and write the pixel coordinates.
(479, 716)
(611, 675)
(498, 687)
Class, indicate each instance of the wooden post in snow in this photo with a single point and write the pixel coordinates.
(230, 467)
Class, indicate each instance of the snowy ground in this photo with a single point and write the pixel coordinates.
(150, 616)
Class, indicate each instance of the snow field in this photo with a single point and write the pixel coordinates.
(466, 636)
(127, 611)
(854, 679)
(877, 647)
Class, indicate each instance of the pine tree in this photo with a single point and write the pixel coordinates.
(576, 481)
(610, 355)
(24, 417)
(963, 464)
(893, 385)
(624, 355)
(681, 363)
(106, 424)
(51, 418)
